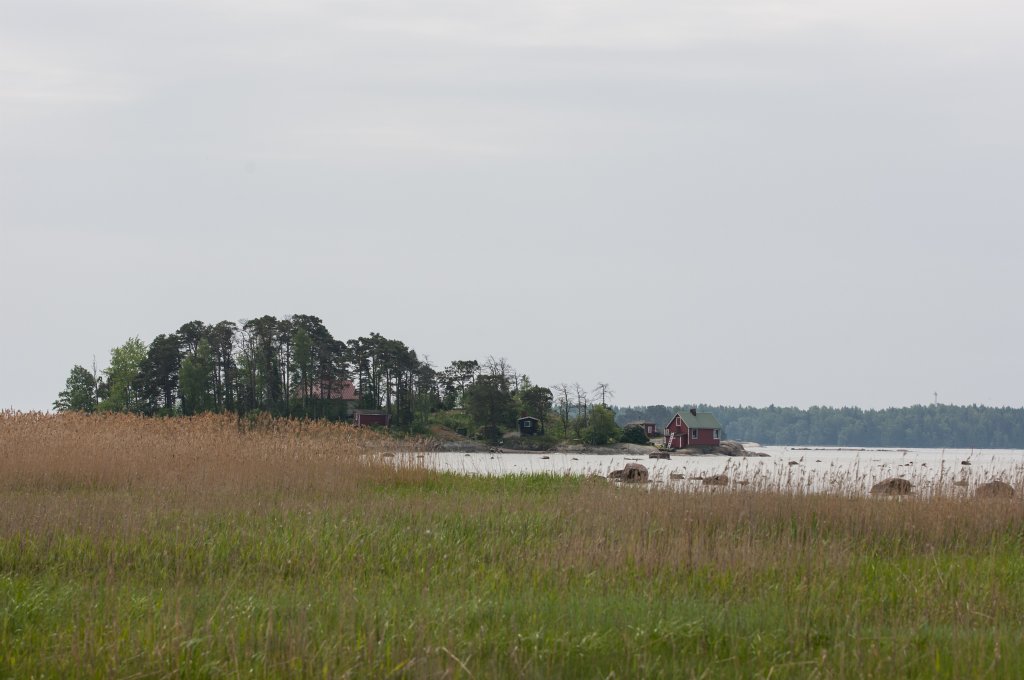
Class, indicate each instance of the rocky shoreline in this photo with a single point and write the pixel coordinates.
(726, 448)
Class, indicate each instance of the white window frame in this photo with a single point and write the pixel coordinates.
(718, 434)
(694, 433)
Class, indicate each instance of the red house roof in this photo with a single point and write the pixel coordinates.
(697, 421)
(337, 389)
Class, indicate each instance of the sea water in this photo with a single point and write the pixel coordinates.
(849, 471)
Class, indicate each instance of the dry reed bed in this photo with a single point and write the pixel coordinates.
(206, 548)
(115, 470)
(219, 463)
(125, 451)
(219, 453)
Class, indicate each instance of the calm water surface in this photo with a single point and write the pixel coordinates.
(791, 469)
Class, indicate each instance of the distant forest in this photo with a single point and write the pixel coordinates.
(932, 426)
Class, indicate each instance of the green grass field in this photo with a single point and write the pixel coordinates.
(133, 548)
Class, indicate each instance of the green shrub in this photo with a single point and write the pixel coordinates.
(490, 434)
(634, 434)
(602, 428)
(453, 420)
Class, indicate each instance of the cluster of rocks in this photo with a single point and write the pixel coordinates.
(897, 486)
(637, 473)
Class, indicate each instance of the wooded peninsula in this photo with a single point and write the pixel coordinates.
(294, 367)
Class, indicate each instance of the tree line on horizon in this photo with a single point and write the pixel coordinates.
(932, 426)
(294, 367)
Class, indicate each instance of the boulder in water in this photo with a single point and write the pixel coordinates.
(633, 472)
(894, 486)
(994, 489)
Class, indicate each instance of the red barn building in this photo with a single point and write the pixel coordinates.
(692, 429)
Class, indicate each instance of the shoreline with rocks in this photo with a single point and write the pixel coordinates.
(727, 448)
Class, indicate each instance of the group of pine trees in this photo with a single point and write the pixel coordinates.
(291, 366)
(294, 367)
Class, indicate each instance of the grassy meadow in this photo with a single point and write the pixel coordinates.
(199, 548)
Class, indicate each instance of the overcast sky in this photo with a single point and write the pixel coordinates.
(725, 201)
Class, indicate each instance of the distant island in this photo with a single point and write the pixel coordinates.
(293, 367)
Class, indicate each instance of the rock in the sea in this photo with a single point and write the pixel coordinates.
(716, 480)
(633, 472)
(660, 454)
(894, 486)
(994, 489)
(731, 448)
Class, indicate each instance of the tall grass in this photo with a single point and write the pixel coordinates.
(206, 548)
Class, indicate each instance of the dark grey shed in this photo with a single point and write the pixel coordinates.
(529, 426)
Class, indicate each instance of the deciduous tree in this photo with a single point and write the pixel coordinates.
(122, 384)
(489, 403)
(601, 428)
(79, 393)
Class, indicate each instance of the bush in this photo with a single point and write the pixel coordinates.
(602, 427)
(453, 420)
(634, 434)
(490, 434)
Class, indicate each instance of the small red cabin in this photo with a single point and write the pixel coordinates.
(692, 429)
(365, 417)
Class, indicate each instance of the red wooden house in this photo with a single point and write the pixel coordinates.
(692, 429)
(344, 390)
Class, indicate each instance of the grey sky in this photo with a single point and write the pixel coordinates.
(734, 201)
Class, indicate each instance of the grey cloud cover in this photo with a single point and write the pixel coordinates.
(738, 202)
